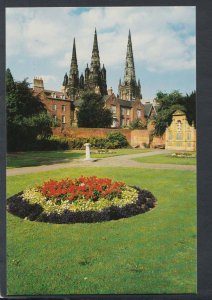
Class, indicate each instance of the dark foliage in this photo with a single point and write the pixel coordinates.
(27, 117)
(168, 104)
(92, 112)
(137, 124)
(19, 207)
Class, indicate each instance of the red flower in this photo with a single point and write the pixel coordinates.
(91, 188)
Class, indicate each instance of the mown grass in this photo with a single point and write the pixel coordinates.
(37, 158)
(167, 159)
(152, 253)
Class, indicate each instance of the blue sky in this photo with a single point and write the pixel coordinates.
(39, 43)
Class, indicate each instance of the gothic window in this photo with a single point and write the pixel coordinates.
(128, 112)
(179, 135)
(179, 126)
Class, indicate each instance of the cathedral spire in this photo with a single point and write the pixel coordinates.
(95, 60)
(129, 74)
(73, 82)
(129, 89)
(74, 56)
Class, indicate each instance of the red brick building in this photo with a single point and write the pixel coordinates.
(124, 111)
(57, 103)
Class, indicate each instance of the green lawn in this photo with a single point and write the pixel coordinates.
(152, 253)
(167, 159)
(37, 158)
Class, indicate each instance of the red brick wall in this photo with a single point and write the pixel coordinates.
(134, 137)
(139, 138)
(89, 132)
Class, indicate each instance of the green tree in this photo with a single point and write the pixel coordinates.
(168, 104)
(27, 118)
(137, 124)
(92, 112)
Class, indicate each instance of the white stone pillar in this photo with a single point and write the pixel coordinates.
(87, 151)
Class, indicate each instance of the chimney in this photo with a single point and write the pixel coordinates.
(110, 91)
(38, 84)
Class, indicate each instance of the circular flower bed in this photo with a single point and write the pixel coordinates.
(85, 199)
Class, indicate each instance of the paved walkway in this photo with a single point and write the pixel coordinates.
(114, 161)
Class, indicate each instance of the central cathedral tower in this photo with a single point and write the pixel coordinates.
(94, 79)
(129, 89)
(95, 76)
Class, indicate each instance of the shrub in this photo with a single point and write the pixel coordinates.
(112, 141)
(137, 124)
(86, 199)
(117, 140)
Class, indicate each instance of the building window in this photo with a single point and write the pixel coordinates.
(122, 111)
(128, 112)
(63, 119)
(122, 122)
(113, 109)
(138, 113)
(54, 107)
(114, 123)
(179, 126)
(128, 122)
(63, 108)
(55, 118)
(188, 136)
(170, 136)
(179, 136)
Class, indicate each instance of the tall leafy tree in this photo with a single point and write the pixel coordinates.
(92, 112)
(27, 117)
(168, 104)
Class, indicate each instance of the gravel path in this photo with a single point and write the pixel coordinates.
(114, 161)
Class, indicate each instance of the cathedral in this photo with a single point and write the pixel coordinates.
(94, 78)
(126, 107)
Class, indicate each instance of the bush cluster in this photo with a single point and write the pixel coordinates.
(35, 208)
(114, 140)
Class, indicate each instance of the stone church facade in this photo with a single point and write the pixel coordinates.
(180, 135)
(126, 107)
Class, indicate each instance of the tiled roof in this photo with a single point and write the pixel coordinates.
(49, 94)
(147, 109)
(105, 97)
(125, 103)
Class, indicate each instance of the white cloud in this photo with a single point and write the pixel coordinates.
(47, 78)
(163, 37)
